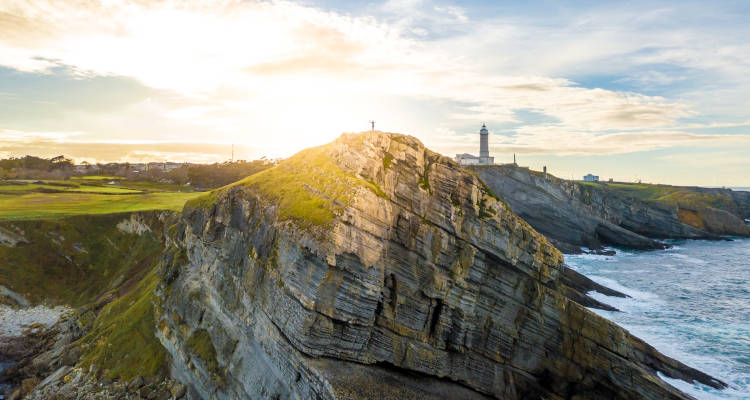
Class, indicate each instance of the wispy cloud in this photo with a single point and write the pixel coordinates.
(279, 76)
(53, 144)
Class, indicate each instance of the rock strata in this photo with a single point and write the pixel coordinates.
(393, 271)
(573, 215)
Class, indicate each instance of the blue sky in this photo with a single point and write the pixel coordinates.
(652, 90)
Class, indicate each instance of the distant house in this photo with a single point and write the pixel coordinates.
(467, 159)
(164, 166)
(138, 167)
(591, 178)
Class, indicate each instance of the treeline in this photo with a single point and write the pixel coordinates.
(220, 174)
(36, 167)
(200, 176)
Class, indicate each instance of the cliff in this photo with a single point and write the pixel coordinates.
(372, 266)
(574, 214)
(103, 270)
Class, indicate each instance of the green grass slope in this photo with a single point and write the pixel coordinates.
(109, 276)
(309, 187)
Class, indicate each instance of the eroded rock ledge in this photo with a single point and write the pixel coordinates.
(392, 263)
(574, 214)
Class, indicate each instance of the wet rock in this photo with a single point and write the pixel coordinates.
(602, 252)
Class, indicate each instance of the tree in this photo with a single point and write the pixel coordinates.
(220, 174)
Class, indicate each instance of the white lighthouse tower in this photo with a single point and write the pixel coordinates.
(484, 147)
(484, 151)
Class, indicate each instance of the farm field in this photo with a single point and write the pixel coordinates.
(32, 200)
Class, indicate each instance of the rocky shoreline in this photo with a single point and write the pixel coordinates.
(20, 331)
(575, 215)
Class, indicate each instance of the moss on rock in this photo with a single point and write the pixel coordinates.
(309, 187)
(199, 344)
(122, 341)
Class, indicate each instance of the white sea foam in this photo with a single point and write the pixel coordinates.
(703, 392)
(689, 259)
(613, 284)
(686, 387)
(679, 305)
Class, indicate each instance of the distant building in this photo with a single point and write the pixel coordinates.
(163, 166)
(467, 159)
(138, 167)
(591, 178)
(484, 151)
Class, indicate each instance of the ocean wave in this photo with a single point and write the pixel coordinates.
(613, 284)
(689, 259)
(690, 302)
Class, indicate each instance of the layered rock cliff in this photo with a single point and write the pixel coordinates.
(373, 267)
(574, 214)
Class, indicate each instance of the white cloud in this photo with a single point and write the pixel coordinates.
(282, 76)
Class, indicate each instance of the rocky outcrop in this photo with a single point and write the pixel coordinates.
(47, 366)
(134, 225)
(573, 215)
(373, 265)
(10, 238)
(105, 347)
(742, 200)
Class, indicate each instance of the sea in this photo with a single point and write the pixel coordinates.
(3, 387)
(691, 302)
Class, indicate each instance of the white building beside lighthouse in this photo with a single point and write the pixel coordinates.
(484, 151)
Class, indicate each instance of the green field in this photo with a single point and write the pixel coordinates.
(57, 205)
(56, 187)
(32, 200)
(96, 177)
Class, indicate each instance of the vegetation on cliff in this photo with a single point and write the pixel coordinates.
(121, 342)
(105, 265)
(308, 188)
(74, 261)
(199, 344)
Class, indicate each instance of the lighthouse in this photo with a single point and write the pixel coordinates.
(484, 151)
(484, 143)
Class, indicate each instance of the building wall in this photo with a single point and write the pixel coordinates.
(484, 147)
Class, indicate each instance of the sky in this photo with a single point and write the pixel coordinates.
(632, 90)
